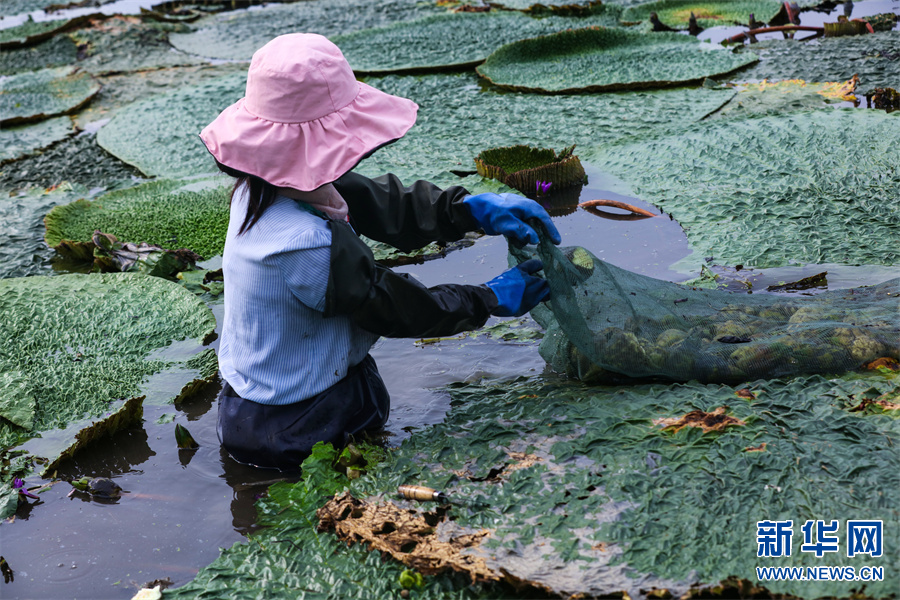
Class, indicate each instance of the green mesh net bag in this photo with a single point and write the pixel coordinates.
(606, 324)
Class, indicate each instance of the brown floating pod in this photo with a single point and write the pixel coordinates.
(592, 206)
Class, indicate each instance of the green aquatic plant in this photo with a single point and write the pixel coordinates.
(872, 57)
(32, 32)
(765, 98)
(677, 13)
(119, 44)
(73, 344)
(167, 213)
(451, 40)
(237, 35)
(595, 59)
(58, 51)
(456, 121)
(585, 491)
(43, 94)
(18, 142)
(801, 187)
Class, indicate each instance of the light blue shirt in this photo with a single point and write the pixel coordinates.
(276, 346)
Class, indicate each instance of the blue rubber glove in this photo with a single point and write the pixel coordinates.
(517, 290)
(506, 214)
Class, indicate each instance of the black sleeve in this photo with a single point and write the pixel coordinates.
(394, 304)
(407, 218)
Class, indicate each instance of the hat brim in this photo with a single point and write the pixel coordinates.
(307, 155)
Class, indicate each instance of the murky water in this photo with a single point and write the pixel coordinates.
(181, 507)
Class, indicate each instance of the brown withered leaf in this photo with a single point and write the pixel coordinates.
(406, 535)
(716, 420)
(881, 401)
(884, 363)
(745, 393)
(760, 448)
(523, 461)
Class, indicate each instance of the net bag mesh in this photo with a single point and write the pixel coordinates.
(606, 324)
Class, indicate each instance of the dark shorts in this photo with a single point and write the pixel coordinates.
(282, 436)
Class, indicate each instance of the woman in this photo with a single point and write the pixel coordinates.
(304, 298)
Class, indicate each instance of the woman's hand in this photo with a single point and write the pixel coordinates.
(507, 214)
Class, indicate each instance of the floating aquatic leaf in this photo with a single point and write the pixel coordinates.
(457, 120)
(800, 187)
(577, 521)
(450, 40)
(676, 13)
(44, 94)
(598, 59)
(872, 57)
(80, 340)
(32, 32)
(237, 35)
(17, 142)
(171, 147)
(17, 403)
(121, 44)
(557, 6)
(159, 212)
(56, 52)
(771, 98)
(129, 414)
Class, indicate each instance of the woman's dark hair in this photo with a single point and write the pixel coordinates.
(260, 197)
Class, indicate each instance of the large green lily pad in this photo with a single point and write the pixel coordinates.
(598, 59)
(164, 213)
(237, 35)
(456, 121)
(450, 40)
(43, 94)
(16, 142)
(123, 44)
(872, 57)
(676, 13)
(55, 52)
(590, 491)
(807, 187)
(75, 343)
(168, 126)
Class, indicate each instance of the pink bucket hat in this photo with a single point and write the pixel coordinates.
(305, 120)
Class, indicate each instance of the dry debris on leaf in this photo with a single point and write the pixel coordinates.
(746, 394)
(760, 448)
(407, 535)
(881, 401)
(716, 420)
(884, 363)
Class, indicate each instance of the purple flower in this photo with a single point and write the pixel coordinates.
(542, 187)
(19, 485)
